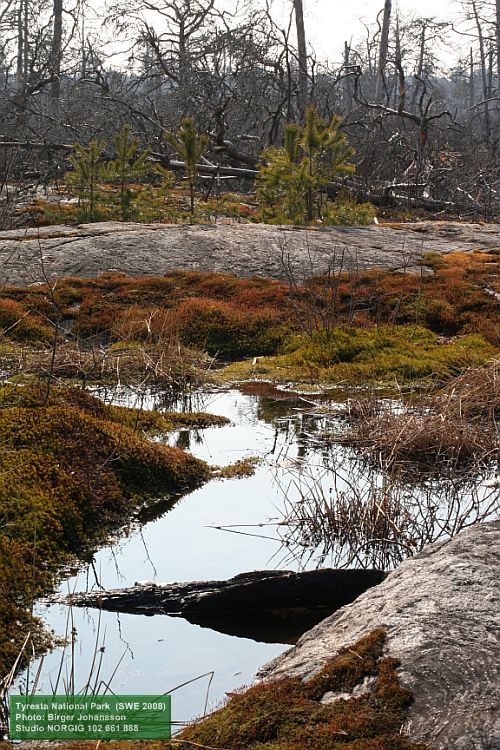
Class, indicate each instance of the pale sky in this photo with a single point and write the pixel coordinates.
(330, 22)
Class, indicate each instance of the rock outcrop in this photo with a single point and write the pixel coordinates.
(31, 256)
(441, 610)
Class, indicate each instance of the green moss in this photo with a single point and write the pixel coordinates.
(150, 422)
(358, 355)
(240, 469)
(287, 714)
(196, 420)
(159, 423)
(71, 470)
(433, 260)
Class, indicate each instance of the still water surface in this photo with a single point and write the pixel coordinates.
(156, 654)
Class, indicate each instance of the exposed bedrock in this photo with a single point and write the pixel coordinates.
(31, 255)
(441, 610)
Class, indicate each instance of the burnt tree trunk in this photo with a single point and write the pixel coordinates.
(302, 53)
(497, 3)
(56, 52)
(383, 51)
(484, 77)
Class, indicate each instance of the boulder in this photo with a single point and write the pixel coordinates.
(441, 611)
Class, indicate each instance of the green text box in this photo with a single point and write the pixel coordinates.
(67, 717)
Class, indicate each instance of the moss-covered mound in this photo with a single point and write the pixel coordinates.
(150, 422)
(347, 355)
(287, 714)
(71, 469)
(167, 329)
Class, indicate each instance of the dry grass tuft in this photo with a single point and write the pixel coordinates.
(454, 427)
(424, 439)
(474, 394)
(168, 364)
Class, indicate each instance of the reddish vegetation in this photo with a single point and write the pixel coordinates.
(453, 300)
(240, 317)
(287, 714)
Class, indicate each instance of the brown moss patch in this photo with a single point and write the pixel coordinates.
(455, 299)
(71, 470)
(226, 330)
(245, 467)
(20, 323)
(288, 714)
(349, 668)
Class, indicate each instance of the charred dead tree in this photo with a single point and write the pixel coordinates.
(303, 94)
(56, 53)
(420, 167)
(383, 51)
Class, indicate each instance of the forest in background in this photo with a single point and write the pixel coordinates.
(426, 134)
(127, 94)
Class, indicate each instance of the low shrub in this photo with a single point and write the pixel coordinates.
(18, 323)
(228, 331)
(347, 212)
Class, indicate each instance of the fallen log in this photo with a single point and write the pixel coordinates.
(40, 146)
(275, 606)
(217, 170)
(261, 589)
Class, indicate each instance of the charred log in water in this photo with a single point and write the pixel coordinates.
(265, 605)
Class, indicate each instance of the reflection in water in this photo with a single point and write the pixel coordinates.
(338, 508)
(348, 512)
(269, 626)
(183, 440)
(139, 655)
(310, 502)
